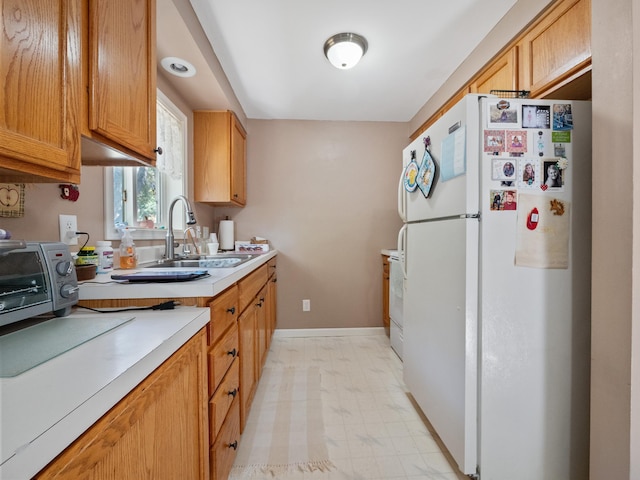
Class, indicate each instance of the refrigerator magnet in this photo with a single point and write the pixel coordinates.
(516, 141)
(494, 141)
(536, 116)
(528, 177)
(502, 200)
(503, 169)
(553, 174)
(562, 116)
(503, 114)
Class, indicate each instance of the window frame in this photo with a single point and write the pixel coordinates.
(138, 233)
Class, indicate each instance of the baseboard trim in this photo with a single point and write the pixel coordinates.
(328, 332)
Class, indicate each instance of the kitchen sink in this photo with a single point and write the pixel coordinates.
(223, 260)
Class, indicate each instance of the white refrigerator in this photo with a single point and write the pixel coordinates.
(497, 294)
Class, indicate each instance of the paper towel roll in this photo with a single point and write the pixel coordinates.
(225, 235)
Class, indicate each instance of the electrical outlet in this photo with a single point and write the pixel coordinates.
(306, 305)
(68, 229)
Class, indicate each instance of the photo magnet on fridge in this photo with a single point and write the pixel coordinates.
(503, 169)
(494, 141)
(503, 113)
(536, 116)
(562, 116)
(516, 141)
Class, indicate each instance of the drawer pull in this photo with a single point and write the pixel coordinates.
(233, 352)
(233, 392)
(231, 310)
(234, 445)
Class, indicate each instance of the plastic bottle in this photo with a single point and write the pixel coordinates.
(105, 256)
(128, 257)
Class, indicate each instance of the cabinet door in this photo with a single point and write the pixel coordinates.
(501, 75)
(386, 321)
(219, 158)
(262, 304)
(238, 162)
(248, 375)
(557, 49)
(272, 295)
(40, 101)
(122, 73)
(158, 431)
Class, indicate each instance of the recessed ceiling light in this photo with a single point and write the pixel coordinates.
(178, 66)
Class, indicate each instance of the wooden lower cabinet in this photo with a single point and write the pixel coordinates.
(233, 348)
(386, 320)
(248, 378)
(223, 451)
(156, 431)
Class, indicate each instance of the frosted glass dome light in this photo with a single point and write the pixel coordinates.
(344, 50)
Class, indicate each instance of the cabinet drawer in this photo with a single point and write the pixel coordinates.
(224, 313)
(223, 452)
(221, 356)
(250, 285)
(221, 401)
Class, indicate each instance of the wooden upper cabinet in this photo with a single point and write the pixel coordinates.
(119, 71)
(557, 49)
(40, 100)
(220, 158)
(501, 75)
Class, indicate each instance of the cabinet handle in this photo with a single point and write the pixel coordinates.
(231, 310)
(259, 304)
(234, 445)
(233, 392)
(158, 150)
(233, 352)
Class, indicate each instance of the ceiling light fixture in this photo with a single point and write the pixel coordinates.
(344, 50)
(178, 67)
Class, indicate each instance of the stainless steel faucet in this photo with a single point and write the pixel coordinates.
(169, 241)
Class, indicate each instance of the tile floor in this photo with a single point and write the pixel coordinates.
(372, 429)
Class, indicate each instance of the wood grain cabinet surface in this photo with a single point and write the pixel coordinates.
(40, 102)
(119, 76)
(550, 59)
(557, 49)
(159, 430)
(386, 319)
(219, 158)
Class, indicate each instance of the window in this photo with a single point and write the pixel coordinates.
(139, 197)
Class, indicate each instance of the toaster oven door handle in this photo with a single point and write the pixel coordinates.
(8, 245)
(67, 290)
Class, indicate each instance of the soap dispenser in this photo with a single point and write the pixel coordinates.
(128, 257)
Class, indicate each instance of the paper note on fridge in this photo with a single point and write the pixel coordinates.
(453, 160)
(542, 232)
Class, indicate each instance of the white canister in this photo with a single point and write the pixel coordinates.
(105, 256)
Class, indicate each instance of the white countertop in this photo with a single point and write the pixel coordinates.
(103, 288)
(43, 410)
(46, 408)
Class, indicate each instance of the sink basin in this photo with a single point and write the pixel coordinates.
(225, 260)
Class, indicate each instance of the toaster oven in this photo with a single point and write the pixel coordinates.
(35, 278)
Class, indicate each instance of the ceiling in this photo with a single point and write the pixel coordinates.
(272, 53)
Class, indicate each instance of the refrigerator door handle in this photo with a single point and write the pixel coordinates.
(402, 243)
(402, 199)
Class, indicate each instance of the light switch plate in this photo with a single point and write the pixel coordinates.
(68, 229)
